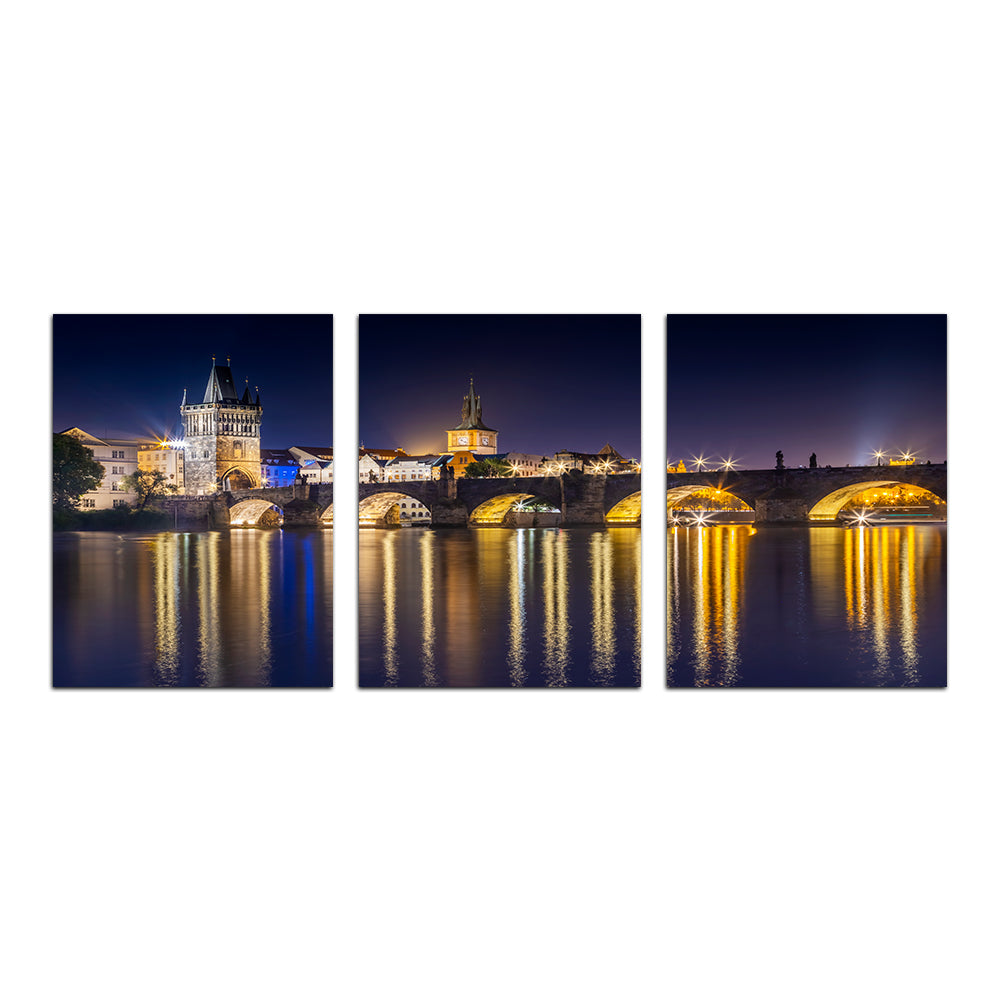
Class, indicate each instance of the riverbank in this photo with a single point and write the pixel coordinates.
(113, 519)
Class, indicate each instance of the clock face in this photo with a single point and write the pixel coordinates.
(462, 439)
(484, 439)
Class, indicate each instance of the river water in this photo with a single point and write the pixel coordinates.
(499, 607)
(250, 608)
(807, 607)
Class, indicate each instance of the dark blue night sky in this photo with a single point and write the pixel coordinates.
(124, 376)
(545, 382)
(840, 386)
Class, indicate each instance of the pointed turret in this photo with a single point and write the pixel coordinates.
(472, 412)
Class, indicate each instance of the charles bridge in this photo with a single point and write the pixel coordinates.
(582, 499)
(306, 505)
(797, 495)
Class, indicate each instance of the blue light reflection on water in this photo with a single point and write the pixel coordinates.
(245, 608)
(807, 607)
(500, 607)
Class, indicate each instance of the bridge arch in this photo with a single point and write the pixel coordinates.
(503, 510)
(715, 497)
(829, 506)
(628, 510)
(381, 508)
(326, 518)
(255, 513)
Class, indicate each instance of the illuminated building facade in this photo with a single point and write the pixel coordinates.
(415, 468)
(119, 458)
(606, 462)
(222, 436)
(371, 469)
(315, 463)
(526, 465)
(159, 456)
(277, 467)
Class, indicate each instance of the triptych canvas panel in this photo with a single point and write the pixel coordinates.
(499, 502)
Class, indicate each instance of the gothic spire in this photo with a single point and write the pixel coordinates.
(472, 412)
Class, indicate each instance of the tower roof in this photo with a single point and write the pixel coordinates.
(472, 413)
(221, 388)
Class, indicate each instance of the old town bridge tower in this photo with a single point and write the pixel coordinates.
(472, 435)
(221, 436)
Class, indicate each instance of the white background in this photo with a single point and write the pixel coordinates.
(538, 157)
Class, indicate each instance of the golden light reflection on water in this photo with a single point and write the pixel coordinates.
(602, 615)
(555, 562)
(884, 583)
(515, 655)
(427, 617)
(864, 595)
(250, 559)
(389, 599)
(166, 612)
(637, 599)
(206, 609)
(500, 607)
(208, 670)
(180, 558)
(719, 556)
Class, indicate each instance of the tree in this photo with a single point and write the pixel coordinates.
(489, 468)
(74, 471)
(146, 483)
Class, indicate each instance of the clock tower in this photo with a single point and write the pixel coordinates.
(472, 435)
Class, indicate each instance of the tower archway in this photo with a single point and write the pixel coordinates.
(237, 479)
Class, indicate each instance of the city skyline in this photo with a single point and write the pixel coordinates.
(124, 376)
(746, 386)
(547, 382)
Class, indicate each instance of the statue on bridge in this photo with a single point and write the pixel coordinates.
(779, 460)
(812, 461)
